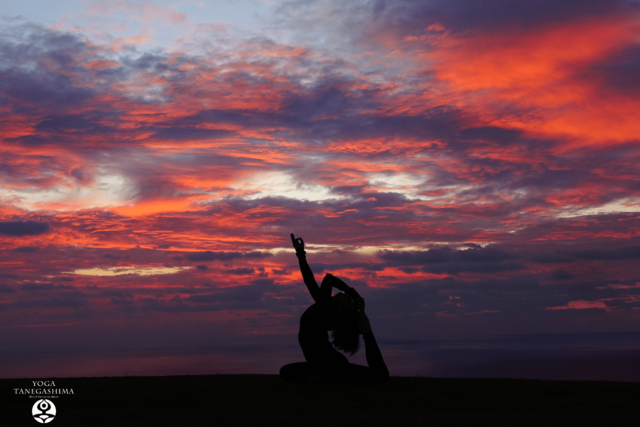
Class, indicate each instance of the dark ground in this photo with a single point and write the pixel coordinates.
(264, 400)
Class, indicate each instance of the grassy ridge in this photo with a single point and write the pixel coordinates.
(264, 400)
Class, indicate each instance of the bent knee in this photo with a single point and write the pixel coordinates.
(381, 378)
(294, 373)
(286, 373)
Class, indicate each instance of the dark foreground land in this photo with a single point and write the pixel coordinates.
(264, 400)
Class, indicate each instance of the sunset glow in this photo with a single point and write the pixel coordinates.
(464, 168)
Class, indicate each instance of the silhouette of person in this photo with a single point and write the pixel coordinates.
(344, 315)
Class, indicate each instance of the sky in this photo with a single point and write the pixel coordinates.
(469, 167)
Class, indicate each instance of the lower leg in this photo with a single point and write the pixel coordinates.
(296, 372)
(354, 374)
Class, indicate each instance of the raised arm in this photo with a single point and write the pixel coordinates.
(322, 293)
(307, 274)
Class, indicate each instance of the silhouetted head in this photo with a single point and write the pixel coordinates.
(345, 335)
(342, 303)
(346, 317)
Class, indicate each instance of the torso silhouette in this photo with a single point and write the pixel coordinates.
(314, 339)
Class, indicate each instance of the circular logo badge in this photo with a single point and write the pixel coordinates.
(44, 411)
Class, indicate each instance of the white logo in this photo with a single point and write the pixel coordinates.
(44, 411)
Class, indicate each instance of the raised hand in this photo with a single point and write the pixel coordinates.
(298, 244)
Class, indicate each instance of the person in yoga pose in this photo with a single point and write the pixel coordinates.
(344, 315)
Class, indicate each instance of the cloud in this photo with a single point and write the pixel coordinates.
(125, 270)
(453, 160)
(581, 305)
(38, 287)
(445, 255)
(561, 275)
(7, 288)
(241, 271)
(117, 293)
(449, 261)
(24, 228)
(485, 267)
(27, 249)
(624, 252)
(54, 302)
(225, 256)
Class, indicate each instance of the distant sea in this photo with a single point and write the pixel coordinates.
(584, 356)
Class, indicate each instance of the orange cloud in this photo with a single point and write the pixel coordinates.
(533, 79)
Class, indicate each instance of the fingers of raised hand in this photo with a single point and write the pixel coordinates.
(298, 243)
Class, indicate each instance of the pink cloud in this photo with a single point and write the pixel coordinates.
(581, 304)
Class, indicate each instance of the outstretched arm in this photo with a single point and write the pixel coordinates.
(372, 351)
(307, 274)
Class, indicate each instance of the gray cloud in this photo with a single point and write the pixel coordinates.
(24, 228)
(225, 256)
(7, 288)
(445, 255)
